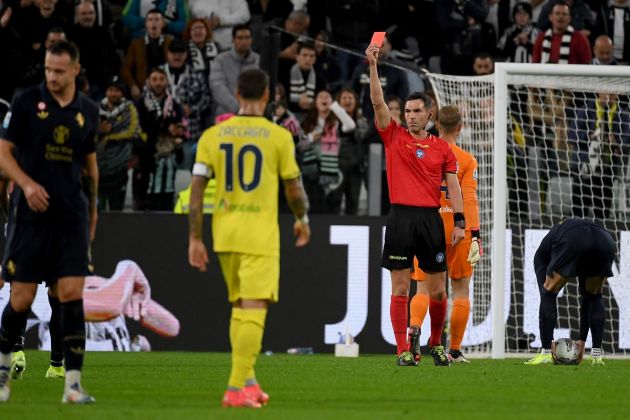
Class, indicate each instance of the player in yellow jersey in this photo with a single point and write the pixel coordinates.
(247, 155)
(460, 258)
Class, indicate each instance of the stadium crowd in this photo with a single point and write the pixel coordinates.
(165, 70)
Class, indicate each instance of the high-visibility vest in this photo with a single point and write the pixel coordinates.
(182, 206)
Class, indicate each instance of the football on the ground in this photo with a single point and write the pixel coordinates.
(567, 352)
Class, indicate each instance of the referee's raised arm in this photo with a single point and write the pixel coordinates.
(382, 115)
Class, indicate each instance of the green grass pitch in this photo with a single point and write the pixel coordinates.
(190, 385)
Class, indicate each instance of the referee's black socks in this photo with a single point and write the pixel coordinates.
(12, 325)
(73, 333)
(547, 315)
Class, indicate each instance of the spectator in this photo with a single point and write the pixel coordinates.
(352, 151)
(297, 24)
(103, 12)
(222, 16)
(582, 17)
(188, 87)
(603, 51)
(461, 25)
(305, 81)
(47, 17)
(431, 125)
(285, 118)
(226, 68)
(34, 72)
(319, 154)
(266, 12)
(201, 47)
(174, 13)
(499, 16)
(614, 21)
(351, 23)
(118, 130)
(145, 53)
(393, 80)
(561, 43)
(161, 120)
(517, 42)
(326, 61)
(9, 51)
(600, 136)
(282, 116)
(101, 63)
(483, 64)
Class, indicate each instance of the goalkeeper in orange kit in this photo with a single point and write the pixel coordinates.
(461, 257)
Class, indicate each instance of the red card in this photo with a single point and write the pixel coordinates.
(378, 38)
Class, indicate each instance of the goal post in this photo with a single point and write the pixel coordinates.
(526, 124)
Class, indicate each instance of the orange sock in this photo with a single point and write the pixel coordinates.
(418, 309)
(459, 319)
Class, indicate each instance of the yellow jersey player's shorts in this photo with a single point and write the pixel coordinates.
(250, 276)
(457, 264)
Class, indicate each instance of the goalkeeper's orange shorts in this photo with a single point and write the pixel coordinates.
(456, 262)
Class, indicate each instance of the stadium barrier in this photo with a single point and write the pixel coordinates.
(333, 285)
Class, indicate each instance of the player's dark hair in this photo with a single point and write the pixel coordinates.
(65, 47)
(449, 118)
(252, 84)
(240, 27)
(419, 95)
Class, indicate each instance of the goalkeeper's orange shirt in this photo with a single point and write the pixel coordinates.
(467, 177)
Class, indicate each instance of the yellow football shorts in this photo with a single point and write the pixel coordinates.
(250, 276)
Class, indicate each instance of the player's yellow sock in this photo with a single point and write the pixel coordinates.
(418, 309)
(235, 323)
(459, 319)
(246, 345)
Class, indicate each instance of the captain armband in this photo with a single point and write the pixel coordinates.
(459, 220)
(201, 169)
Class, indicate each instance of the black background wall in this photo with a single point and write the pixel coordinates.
(312, 286)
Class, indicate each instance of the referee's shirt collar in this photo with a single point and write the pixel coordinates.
(48, 98)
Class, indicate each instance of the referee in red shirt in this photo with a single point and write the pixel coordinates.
(417, 163)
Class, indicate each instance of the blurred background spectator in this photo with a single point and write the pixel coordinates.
(174, 12)
(221, 16)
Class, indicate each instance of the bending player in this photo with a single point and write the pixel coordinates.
(460, 258)
(573, 248)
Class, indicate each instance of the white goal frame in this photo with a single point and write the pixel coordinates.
(499, 206)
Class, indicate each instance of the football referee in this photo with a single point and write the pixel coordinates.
(417, 162)
(47, 140)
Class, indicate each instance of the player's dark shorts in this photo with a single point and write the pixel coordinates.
(414, 231)
(39, 251)
(585, 251)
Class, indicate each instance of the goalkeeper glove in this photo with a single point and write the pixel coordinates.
(475, 252)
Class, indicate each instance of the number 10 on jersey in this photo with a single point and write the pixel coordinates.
(242, 153)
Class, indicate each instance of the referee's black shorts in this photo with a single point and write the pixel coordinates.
(41, 251)
(414, 231)
(586, 251)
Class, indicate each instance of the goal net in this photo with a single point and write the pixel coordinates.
(551, 141)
